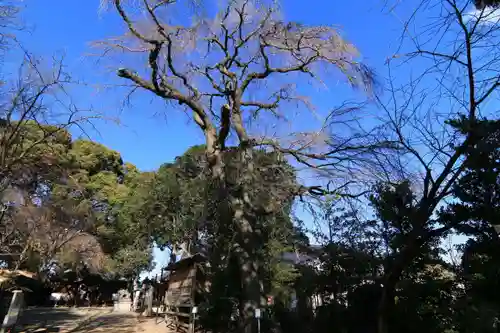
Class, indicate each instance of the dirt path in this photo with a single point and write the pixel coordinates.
(109, 323)
(56, 319)
(152, 325)
(92, 320)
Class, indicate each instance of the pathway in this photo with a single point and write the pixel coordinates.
(87, 320)
(110, 323)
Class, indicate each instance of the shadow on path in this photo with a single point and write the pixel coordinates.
(53, 319)
(112, 323)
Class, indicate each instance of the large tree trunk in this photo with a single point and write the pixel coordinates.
(246, 250)
(386, 303)
(249, 242)
(232, 209)
(391, 279)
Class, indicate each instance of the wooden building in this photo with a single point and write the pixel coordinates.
(186, 286)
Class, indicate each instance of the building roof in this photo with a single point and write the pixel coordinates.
(13, 273)
(186, 262)
(15, 278)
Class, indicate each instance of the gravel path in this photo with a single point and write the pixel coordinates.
(89, 320)
(57, 319)
(109, 323)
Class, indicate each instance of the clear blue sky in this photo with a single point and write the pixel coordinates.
(148, 140)
(143, 138)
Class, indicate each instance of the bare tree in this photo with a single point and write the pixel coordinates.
(458, 52)
(9, 23)
(35, 111)
(43, 232)
(242, 65)
(34, 106)
(36, 114)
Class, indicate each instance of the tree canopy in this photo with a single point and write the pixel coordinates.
(378, 215)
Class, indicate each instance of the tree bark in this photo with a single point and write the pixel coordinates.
(391, 278)
(248, 241)
(249, 268)
(386, 303)
(232, 209)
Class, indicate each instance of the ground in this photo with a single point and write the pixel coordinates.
(89, 320)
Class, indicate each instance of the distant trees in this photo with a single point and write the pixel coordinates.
(35, 115)
(437, 117)
(60, 198)
(63, 202)
(432, 294)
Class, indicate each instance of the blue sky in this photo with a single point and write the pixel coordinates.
(143, 138)
(150, 134)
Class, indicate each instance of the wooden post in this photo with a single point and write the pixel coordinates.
(14, 312)
(167, 308)
(193, 296)
(156, 294)
(135, 293)
(191, 324)
(149, 301)
(194, 311)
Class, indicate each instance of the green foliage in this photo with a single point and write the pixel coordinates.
(173, 207)
(399, 220)
(86, 188)
(95, 158)
(477, 192)
(431, 295)
(475, 214)
(29, 150)
(282, 275)
(79, 188)
(130, 261)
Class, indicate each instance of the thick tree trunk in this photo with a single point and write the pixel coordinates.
(233, 210)
(391, 279)
(385, 305)
(249, 242)
(251, 285)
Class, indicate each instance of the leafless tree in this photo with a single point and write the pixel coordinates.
(454, 59)
(242, 65)
(43, 232)
(9, 23)
(34, 105)
(36, 113)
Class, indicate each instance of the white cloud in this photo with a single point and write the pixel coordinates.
(486, 16)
